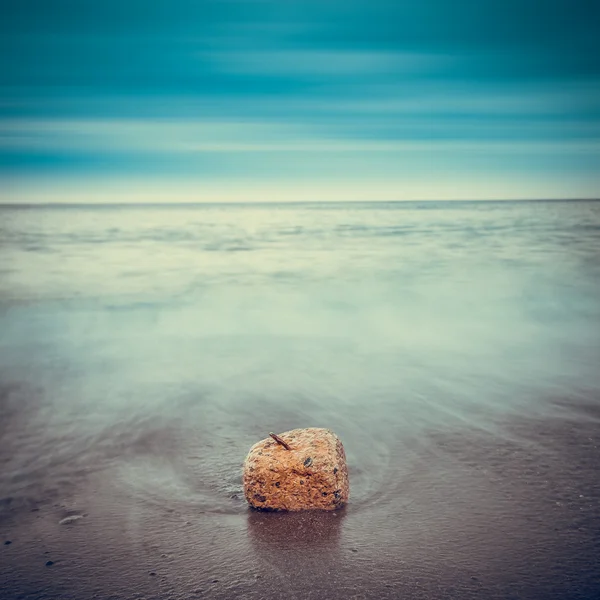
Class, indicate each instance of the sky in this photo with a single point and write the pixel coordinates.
(261, 100)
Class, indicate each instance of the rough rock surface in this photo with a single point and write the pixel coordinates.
(311, 475)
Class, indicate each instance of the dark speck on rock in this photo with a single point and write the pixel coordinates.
(353, 550)
(277, 484)
(215, 581)
(302, 482)
(152, 573)
(335, 470)
(49, 563)
(324, 493)
(308, 462)
(7, 543)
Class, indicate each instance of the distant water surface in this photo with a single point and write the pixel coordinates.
(453, 346)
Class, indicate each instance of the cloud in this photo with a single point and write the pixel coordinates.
(440, 185)
(324, 61)
(232, 137)
(301, 89)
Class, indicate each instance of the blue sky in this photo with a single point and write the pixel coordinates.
(260, 100)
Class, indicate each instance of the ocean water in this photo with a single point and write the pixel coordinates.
(144, 349)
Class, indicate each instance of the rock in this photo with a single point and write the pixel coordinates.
(312, 474)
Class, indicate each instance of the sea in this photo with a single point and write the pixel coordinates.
(454, 347)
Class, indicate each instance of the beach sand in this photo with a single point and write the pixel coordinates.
(454, 514)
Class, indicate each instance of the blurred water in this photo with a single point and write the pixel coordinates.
(452, 346)
(164, 341)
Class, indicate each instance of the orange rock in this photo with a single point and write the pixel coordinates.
(312, 474)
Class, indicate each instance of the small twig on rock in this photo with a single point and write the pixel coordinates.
(280, 441)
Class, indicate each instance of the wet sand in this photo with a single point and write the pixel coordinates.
(453, 514)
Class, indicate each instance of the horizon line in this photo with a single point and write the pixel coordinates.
(288, 202)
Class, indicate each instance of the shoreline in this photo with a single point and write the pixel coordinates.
(514, 516)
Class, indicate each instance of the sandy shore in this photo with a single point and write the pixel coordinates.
(455, 514)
